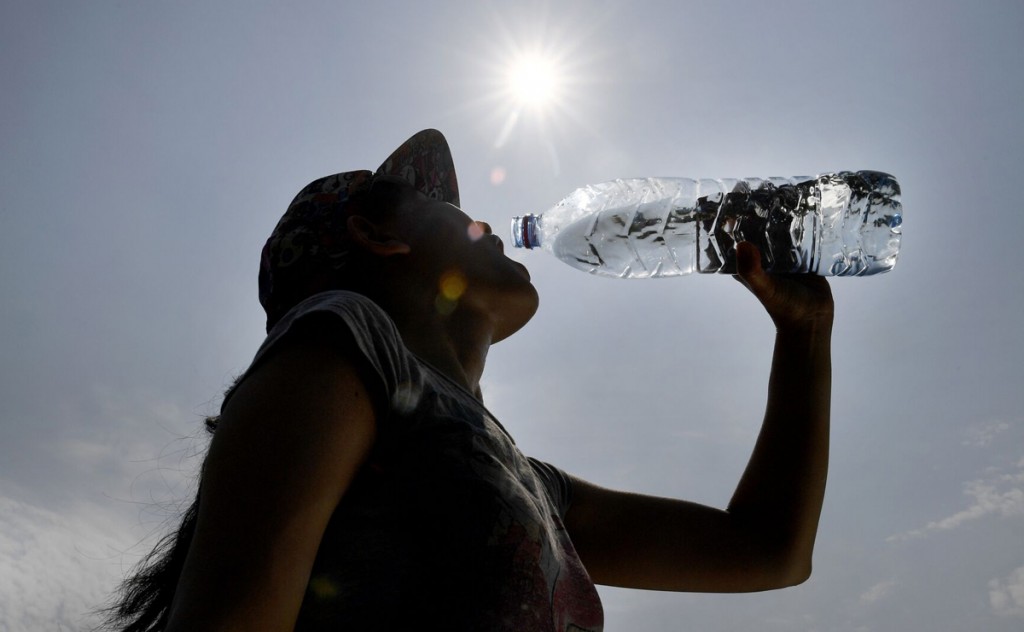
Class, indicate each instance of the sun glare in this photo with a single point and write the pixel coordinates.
(535, 77)
(533, 80)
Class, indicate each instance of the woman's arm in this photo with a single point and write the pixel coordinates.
(766, 536)
(288, 445)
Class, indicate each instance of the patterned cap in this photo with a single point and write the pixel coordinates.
(310, 237)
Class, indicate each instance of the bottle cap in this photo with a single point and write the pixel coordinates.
(525, 232)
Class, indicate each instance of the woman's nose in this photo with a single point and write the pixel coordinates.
(484, 226)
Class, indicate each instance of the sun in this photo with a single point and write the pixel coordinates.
(534, 80)
(534, 77)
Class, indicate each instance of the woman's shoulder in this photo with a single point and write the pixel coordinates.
(354, 309)
(346, 323)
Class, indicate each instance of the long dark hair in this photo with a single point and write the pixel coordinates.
(144, 598)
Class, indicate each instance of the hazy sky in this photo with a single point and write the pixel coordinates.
(148, 148)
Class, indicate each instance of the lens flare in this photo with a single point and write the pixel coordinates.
(453, 285)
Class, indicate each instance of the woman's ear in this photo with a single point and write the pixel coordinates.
(372, 238)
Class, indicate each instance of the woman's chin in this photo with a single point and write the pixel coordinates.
(515, 312)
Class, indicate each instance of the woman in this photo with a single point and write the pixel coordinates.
(356, 481)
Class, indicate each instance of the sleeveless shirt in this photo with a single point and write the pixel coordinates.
(448, 525)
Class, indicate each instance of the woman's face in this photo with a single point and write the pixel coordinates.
(467, 262)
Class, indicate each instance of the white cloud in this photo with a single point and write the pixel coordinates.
(877, 592)
(1006, 596)
(57, 568)
(989, 498)
(115, 484)
(982, 435)
(1000, 494)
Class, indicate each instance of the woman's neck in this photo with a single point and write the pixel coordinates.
(456, 344)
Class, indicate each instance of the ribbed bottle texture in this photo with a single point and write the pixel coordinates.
(839, 224)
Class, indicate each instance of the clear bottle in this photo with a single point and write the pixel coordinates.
(837, 224)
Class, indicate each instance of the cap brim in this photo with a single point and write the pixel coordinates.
(425, 162)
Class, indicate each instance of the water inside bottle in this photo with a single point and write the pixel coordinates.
(840, 224)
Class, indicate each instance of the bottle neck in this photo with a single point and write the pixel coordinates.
(526, 231)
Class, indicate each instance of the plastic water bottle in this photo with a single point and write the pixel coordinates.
(838, 224)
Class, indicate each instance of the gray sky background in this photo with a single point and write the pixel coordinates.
(147, 149)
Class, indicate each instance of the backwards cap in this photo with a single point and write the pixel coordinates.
(311, 235)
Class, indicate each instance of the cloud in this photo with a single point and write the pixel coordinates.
(982, 435)
(1000, 495)
(57, 568)
(988, 499)
(1006, 596)
(877, 592)
(111, 488)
